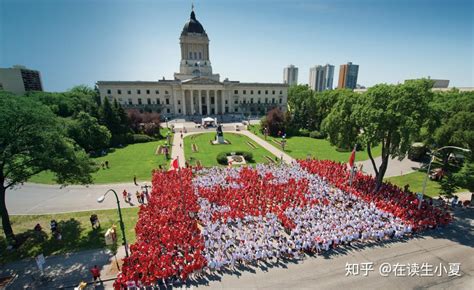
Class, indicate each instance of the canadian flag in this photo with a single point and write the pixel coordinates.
(352, 158)
(175, 163)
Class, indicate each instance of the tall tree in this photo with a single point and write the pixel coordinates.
(390, 115)
(32, 140)
(88, 133)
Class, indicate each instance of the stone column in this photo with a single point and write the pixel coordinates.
(208, 102)
(216, 110)
(222, 102)
(192, 102)
(200, 101)
(183, 103)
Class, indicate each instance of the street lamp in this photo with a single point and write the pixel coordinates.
(122, 227)
(432, 158)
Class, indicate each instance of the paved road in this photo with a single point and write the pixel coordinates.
(32, 198)
(395, 166)
(454, 244)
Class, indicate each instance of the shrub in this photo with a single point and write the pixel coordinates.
(140, 138)
(303, 132)
(222, 158)
(317, 135)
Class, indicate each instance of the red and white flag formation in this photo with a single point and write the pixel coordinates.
(175, 164)
(352, 158)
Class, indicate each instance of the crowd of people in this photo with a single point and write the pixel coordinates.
(389, 198)
(212, 218)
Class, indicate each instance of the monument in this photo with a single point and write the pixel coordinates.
(220, 135)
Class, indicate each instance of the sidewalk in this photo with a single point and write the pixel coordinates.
(63, 271)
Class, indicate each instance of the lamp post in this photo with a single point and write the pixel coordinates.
(122, 227)
(432, 158)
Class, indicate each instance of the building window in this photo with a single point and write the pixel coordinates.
(273, 100)
(259, 92)
(258, 101)
(120, 100)
(157, 101)
(281, 92)
(130, 102)
(167, 101)
(147, 92)
(166, 93)
(195, 55)
(281, 100)
(179, 111)
(236, 92)
(236, 102)
(236, 110)
(266, 92)
(168, 111)
(227, 109)
(157, 92)
(244, 92)
(148, 101)
(139, 101)
(266, 100)
(251, 100)
(119, 92)
(251, 92)
(138, 92)
(109, 92)
(190, 55)
(226, 102)
(179, 102)
(212, 100)
(200, 56)
(129, 92)
(273, 92)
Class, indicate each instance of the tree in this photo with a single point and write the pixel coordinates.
(275, 122)
(88, 133)
(32, 140)
(341, 123)
(390, 115)
(465, 177)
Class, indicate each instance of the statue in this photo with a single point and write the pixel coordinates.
(220, 135)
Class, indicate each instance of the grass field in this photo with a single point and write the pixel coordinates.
(415, 180)
(299, 148)
(136, 159)
(75, 228)
(207, 153)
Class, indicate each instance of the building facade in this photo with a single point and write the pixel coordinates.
(290, 75)
(321, 77)
(195, 89)
(348, 76)
(19, 79)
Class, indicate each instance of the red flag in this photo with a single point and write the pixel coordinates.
(352, 158)
(175, 163)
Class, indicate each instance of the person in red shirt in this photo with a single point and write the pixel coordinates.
(96, 274)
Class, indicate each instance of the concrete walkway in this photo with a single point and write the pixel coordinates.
(178, 144)
(395, 167)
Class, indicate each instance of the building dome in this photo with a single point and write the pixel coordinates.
(193, 26)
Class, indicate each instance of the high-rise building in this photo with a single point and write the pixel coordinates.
(19, 79)
(290, 75)
(321, 77)
(348, 75)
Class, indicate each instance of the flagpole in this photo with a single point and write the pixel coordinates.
(352, 166)
(181, 185)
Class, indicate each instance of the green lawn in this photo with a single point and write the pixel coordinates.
(299, 148)
(415, 180)
(136, 159)
(75, 228)
(207, 153)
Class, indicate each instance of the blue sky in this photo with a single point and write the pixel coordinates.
(82, 41)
